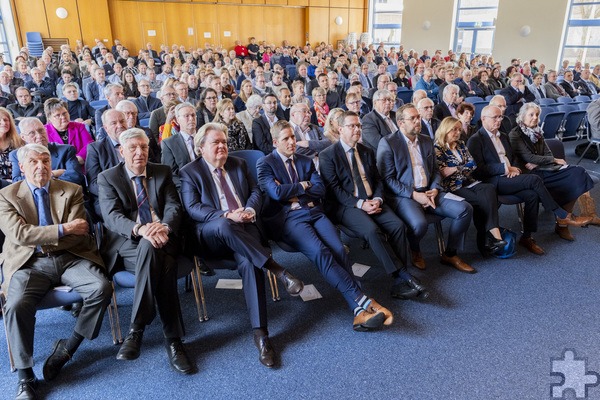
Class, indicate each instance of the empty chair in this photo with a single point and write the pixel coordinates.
(291, 71)
(564, 100)
(573, 122)
(595, 97)
(552, 124)
(582, 98)
(478, 108)
(546, 101)
(583, 106)
(405, 95)
(594, 139)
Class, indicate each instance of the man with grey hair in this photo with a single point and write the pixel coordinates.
(130, 110)
(450, 100)
(114, 94)
(63, 157)
(428, 124)
(6, 90)
(40, 88)
(95, 89)
(309, 138)
(144, 234)
(381, 121)
(178, 150)
(507, 123)
(146, 103)
(47, 244)
(516, 94)
(468, 87)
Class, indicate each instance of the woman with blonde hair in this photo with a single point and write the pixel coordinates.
(330, 130)
(237, 137)
(9, 141)
(456, 167)
(320, 108)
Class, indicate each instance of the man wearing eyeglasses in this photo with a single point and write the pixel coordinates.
(516, 94)
(65, 165)
(158, 117)
(146, 103)
(355, 200)
(178, 150)
(381, 121)
(428, 124)
(412, 180)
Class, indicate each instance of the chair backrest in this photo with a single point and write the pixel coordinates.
(546, 101)
(392, 69)
(564, 100)
(556, 147)
(567, 108)
(33, 37)
(478, 109)
(583, 106)
(489, 98)
(405, 95)
(291, 71)
(573, 121)
(473, 99)
(403, 89)
(97, 104)
(595, 96)
(497, 91)
(582, 98)
(552, 124)
(251, 157)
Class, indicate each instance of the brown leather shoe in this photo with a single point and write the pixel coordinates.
(368, 320)
(573, 220)
(457, 263)
(417, 259)
(564, 233)
(531, 245)
(376, 307)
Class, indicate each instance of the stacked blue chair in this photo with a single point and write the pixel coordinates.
(34, 43)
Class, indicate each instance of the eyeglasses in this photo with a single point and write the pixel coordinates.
(353, 103)
(210, 98)
(387, 99)
(353, 126)
(493, 116)
(426, 108)
(38, 132)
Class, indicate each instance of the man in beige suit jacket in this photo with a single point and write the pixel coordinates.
(47, 244)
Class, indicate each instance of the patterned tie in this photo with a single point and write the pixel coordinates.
(360, 186)
(190, 147)
(142, 201)
(232, 203)
(43, 207)
(292, 171)
(541, 93)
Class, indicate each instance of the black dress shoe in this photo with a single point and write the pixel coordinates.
(415, 284)
(178, 358)
(59, 357)
(266, 354)
(76, 309)
(26, 389)
(404, 291)
(292, 284)
(130, 349)
(492, 244)
(206, 270)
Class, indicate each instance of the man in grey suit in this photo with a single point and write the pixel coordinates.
(178, 150)
(380, 122)
(538, 88)
(408, 167)
(142, 214)
(553, 89)
(47, 244)
(145, 103)
(309, 138)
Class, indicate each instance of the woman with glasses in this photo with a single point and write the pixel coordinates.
(62, 130)
(207, 108)
(320, 108)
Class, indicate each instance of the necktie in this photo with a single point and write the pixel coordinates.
(190, 147)
(541, 93)
(362, 192)
(43, 207)
(142, 201)
(232, 203)
(430, 129)
(292, 171)
(390, 124)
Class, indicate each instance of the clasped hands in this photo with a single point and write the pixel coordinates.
(156, 233)
(371, 206)
(240, 215)
(426, 199)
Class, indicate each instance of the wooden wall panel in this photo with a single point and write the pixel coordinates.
(337, 32)
(303, 3)
(338, 3)
(228, 21)
(318, 24)
(252, 23)
(31, 21)
(356, 20)
(178, 18)
(93, 16)
(205, 17)
(358, 4)
(152, 17)
(127, 26)
(319, 3)
(63, 28)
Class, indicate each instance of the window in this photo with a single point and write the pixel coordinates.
(582, 36)
(386, 21)
(475, 26)
(4, 41)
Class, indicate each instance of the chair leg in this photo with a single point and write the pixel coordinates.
(274, 288)
(113, 318)
(585, 151)
(439, 233)
(196, 278)
(521, 213)
(10, 356)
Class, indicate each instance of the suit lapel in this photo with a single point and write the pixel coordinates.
(152, 188)
(488, 144)
(58, 202)
(182, 147)
(27, 203)
(235, 180)
(208, 178)
(283, 173)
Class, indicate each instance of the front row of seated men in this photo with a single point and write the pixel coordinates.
(47, 240)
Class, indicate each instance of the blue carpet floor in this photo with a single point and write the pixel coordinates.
(491, 335)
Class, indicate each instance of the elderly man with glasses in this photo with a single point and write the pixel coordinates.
(381, 121)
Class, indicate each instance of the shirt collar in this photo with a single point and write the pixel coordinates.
(32, 187)
(284, 158)
(131, 175)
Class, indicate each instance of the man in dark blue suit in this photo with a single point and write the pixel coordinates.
(408, 166)
(178, 150)
(294, 214)
(222, 199)
(516, 94)
(65, 165)
(355, 200)
(146, 103)
(261, 126)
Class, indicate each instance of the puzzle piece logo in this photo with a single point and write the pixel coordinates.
(574, 376)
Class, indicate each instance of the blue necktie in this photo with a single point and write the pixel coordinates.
(43, 207)
(292, 171)
(142, 201)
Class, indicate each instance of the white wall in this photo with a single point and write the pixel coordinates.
(546, 20)
(439, 13)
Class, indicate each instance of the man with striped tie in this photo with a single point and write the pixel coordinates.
(142, 213)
